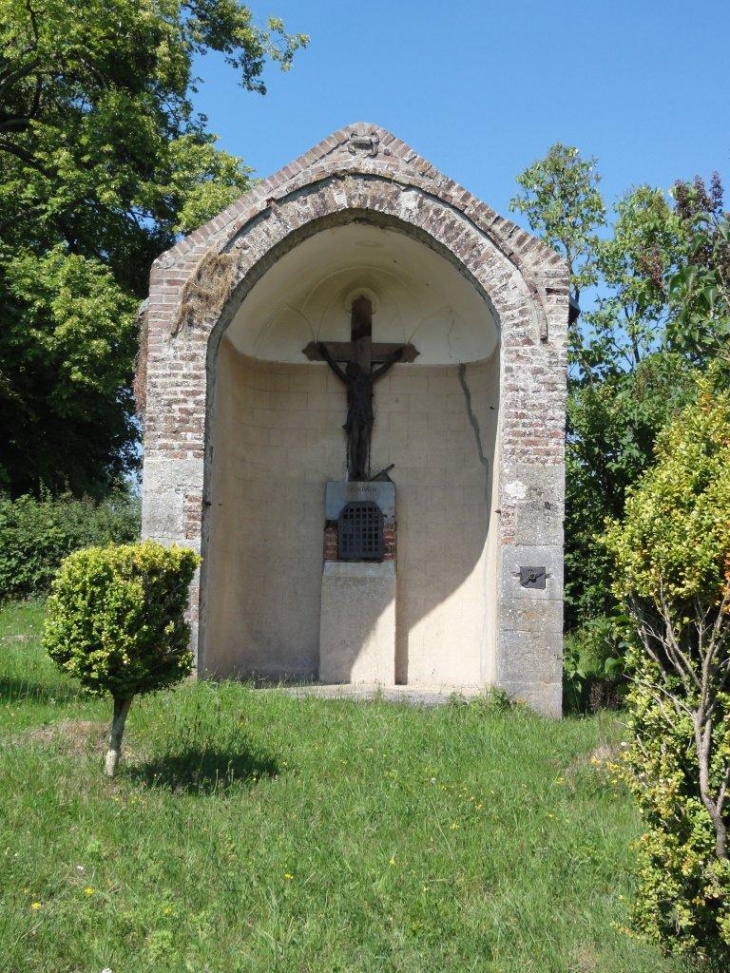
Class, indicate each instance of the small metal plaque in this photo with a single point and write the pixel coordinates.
(360, 532)
(533, 577)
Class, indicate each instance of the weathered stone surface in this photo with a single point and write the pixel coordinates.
(529, 615)
(539, 512)
(515, 556)
(528, 656)
(357, 627)
(544, 697)
(422, 696)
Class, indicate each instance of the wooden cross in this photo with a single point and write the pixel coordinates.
(361, 348)
(359, 356)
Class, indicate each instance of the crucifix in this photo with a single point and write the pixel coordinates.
(359, 355)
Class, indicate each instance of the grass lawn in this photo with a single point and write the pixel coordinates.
(249, 831)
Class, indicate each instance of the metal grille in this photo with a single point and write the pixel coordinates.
(360, 532)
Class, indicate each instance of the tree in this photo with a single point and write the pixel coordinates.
(564, 206)
(630, 364)
(103, 163)
(632, 263)
(115, 622)
(672, 553)
(67, 343)
(699, 288)
(662, 314)
(37, 534)
(562, 202)
(613, 422)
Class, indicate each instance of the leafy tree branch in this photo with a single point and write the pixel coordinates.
(103, 164)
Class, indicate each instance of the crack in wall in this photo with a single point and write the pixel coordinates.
(474, 423)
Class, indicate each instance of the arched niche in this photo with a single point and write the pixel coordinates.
(276, 438)
(514, 401)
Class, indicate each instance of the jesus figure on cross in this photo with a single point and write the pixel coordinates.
(358, 376)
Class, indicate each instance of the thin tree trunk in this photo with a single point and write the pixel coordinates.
(703, 743)
(114, 753)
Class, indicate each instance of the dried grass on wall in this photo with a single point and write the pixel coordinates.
(206, 290)
(139, 386)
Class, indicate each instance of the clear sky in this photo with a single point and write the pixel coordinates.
(482, 89)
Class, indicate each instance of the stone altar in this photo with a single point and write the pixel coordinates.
(358, 613)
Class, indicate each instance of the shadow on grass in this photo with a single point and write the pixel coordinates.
(21, 690)
(203, 771)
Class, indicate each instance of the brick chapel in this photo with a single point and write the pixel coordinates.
(355, 409)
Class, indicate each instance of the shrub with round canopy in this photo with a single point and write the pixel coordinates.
(116, 623)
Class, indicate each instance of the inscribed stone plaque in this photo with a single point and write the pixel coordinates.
(340, 493)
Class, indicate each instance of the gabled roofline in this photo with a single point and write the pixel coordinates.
(368, 149)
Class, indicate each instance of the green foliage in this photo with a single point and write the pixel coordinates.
(632, 264)
(699, 288)
(115, 618)
(612, 425)
(103, 163)
(564, 206)
(593, 666)
(627, 382)
(67, 344)
(675, 539)
(683, 900)
(661, 271)
(673, 572)
(36, 535)
(662, 315)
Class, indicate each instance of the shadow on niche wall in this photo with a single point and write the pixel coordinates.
(277, 438)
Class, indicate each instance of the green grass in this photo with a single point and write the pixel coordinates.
(249, 831)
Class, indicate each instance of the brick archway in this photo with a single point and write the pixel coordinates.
(363, 173)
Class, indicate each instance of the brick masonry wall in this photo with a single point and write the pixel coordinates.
(360, 172)
(331, 540)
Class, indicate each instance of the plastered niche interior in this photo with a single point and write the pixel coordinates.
(277, 438)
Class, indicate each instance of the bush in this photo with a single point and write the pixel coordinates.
(36, 535)
(673, 557)
(593, 666)
(115, 622)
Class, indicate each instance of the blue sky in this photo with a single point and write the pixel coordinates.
(483, 89)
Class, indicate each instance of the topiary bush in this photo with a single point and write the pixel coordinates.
(672, 553)
(36, 535)
(115, 622)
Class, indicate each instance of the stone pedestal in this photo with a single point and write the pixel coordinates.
(357, 620)
(357, 623)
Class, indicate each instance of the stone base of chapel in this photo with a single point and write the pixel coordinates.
(357, 623)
